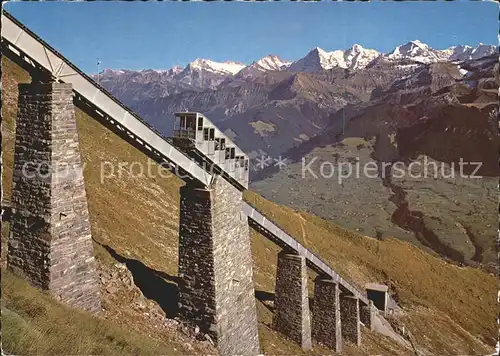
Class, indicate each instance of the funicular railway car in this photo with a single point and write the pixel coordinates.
(200, 139)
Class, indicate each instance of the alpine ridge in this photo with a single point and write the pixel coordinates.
(263, 65)
(318, 59)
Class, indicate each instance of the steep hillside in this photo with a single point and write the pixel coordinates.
(35, 324)
(447, 310)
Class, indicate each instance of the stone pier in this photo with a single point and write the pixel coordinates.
(349, 316)
(367, 314)
(50, 242)
(326, 324)
(216, 288)
(291, 302)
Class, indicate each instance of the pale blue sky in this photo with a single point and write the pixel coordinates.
(137, 35)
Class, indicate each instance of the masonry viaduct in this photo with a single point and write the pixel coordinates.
(50, 240)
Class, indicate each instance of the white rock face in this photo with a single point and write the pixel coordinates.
(318, 59)
(263, 65)
(416, 51)
(421, 52)
(467, 53)
(358, 57)
(229, 68)
(204, 73)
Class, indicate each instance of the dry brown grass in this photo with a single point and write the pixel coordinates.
(33, 323)
(465, 295)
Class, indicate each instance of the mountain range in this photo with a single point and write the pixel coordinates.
(251, 101)
(204, 73)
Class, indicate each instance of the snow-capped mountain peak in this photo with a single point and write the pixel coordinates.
(319, 59)
(176, 69)
(316, 60)
(272, 62)
(415, 50)
(356, 48)
(464, 52)
(109, 71)
(205, 73)
(320, 51)
(263, 65)
(358, 57)
(228, 67)
(421, 52)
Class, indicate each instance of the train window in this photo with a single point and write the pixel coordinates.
(182, 122)
(237, 162)
(205, 134)
(217, 144)
(190, 122)
(222, 143)
(212, 134)
(200, 123)
(246, 165)
(228, 153)
(233, 152)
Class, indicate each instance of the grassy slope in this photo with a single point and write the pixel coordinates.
(451, 299)
(35, 324)
(138, 218)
